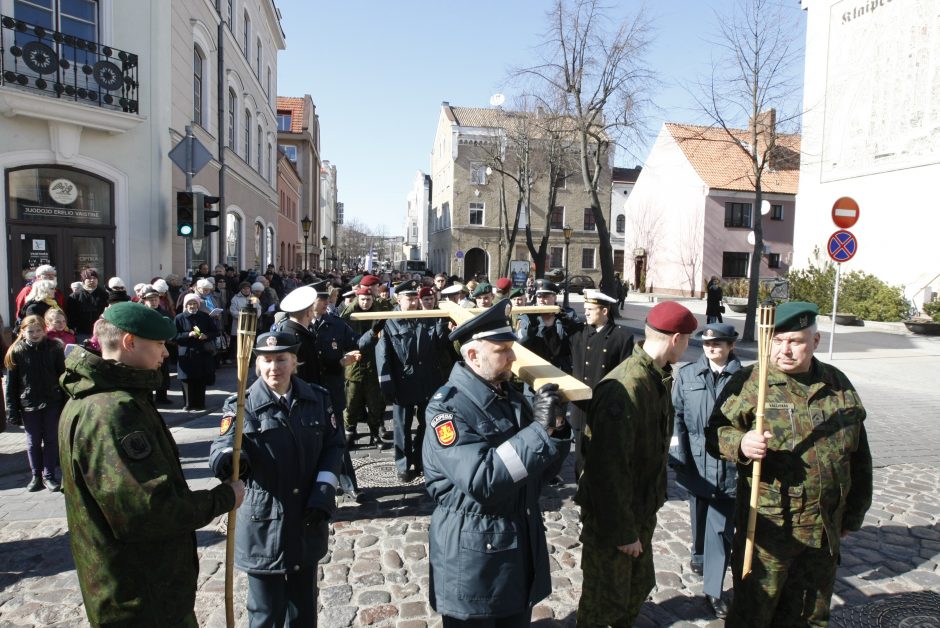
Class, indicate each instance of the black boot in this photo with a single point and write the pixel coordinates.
(351, 439)
(376, 441)
(35, 484)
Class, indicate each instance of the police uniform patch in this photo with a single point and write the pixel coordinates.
(226, 424)
(136, 445)
(446, 432)
(335, 346)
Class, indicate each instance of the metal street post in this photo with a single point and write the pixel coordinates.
(305, 227)
(567, 231)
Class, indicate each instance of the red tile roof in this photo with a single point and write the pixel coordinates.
(723, 165)
(296, 108)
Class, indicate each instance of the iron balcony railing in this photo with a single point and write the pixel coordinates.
(63, 66)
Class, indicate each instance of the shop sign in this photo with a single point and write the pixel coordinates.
(63, 191)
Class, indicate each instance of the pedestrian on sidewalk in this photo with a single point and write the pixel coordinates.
(623, 485)
(709, 480)
(713, 306)
(132, 517)
(487, 453)
(816, 483)
(34, 398)
(150, 297)
(195, 367)
(291, 455)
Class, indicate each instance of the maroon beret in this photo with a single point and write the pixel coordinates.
(369, 281)
(670, 317)
(364, 291)
(503, 284)
(426, 291)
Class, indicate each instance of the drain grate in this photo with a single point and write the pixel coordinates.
(380, 474)
(919, 609)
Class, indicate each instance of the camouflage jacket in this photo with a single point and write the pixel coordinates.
(817, 476)
(629, 426)
(132, 517)
(365, 367)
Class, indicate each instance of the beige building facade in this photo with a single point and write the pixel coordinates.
(465, 225)
(298, 137)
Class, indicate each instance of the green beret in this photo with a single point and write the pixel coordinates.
(795, 315)
(140, 320)
(481, 289)
(355, 280)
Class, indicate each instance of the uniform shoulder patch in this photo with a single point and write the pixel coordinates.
(136, 445)
(444, 429)
(227, 422)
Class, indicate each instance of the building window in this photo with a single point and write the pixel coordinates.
(260, 145)
(555, 257)
(283, 121)
(78, 18)
(561, 179)
(267, 82)
(247, 34)
(734, 264)
(290, 151)
(738, 215)
(556, 219)
(589, 219)
(476, 214)
(270, 157)
(233, 237)
(587, 258)
(269, 246)
(621, 223)
(776, 212)
(247, 137)
(232, 104)
(773, 260)
(198, 61)
(478, 173)
(258, 61)
(230, 19)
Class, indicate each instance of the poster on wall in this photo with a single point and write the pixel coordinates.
(39, 251)
(882, 107)
(519, 272)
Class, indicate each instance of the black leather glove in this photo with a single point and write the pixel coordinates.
(224, 466)
(546, 406)
(378, 326)
(314, 517)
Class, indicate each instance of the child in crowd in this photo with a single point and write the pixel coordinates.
(57, 329)
(34, 398)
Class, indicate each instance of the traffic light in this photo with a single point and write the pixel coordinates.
(205, 213)
(185, 225)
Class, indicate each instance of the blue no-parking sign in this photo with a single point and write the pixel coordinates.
(842, 246)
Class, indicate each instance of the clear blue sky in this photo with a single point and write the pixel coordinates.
(378, 71)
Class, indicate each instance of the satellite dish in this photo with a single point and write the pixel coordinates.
(497, 99)
(764, 208)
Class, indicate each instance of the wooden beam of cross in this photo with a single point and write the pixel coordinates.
(528, 367)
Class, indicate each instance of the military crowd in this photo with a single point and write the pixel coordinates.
(484, 441)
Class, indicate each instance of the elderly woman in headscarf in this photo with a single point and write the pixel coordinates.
(195, 366)
(40, 299)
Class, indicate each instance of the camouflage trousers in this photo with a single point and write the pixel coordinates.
(364, 398)
(615, 584)
(790, 584)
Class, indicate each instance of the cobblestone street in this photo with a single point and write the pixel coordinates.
(376, 571)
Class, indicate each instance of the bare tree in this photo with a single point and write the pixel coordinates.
(595, 73)
(690, 250)
(753, 81)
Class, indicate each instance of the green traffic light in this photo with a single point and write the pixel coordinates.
(186, 230)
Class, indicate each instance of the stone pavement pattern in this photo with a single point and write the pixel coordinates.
(376, 571)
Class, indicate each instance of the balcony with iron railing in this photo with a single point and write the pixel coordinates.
(37, 61)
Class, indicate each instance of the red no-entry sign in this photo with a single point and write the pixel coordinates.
(845, 212)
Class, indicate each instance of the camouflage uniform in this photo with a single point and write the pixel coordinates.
(816, 483)
(363, 395)
(629, 426)
(132, 517)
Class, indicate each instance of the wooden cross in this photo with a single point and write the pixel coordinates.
(528, 367)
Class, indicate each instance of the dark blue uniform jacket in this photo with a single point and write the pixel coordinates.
(293, 462)
(485, 463)
(693, 394)
(407, 359)
(334, 339)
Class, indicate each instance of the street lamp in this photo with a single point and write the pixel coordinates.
(324, 241)
(567, 231)
(305, 224)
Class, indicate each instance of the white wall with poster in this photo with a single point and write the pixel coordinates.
(871, 131)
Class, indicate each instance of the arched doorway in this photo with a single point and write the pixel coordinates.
(474, 263)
